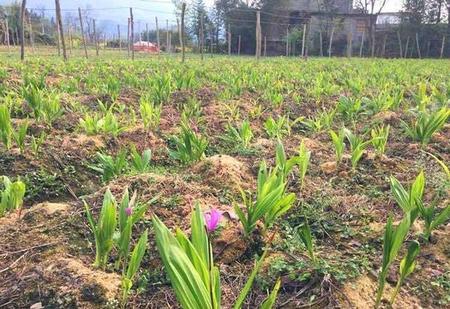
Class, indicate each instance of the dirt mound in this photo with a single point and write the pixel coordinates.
(90, 284)
(224, 172)
(362, 292)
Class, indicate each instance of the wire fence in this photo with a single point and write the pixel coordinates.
(313, 34)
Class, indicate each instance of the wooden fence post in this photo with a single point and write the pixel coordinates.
(61, 30)
(239, 45)
(118, 36)
(383, 49)
(303, 40)
(69, 34)
(7, 33)
(167, 35)
(258, 34)
(95, 37)
(320, 44)
(202, 37)
(30, 29)
(82, 33)
(418, 46)
(147, 35)
(183, 11)
(131, 33)
(406, 47)
(157, 33)
(442, 47)
(265, 46)
(22, 31)
(400, 44)
(287, 41)
(331, 41)
(349, 44)
(128, 37)
(229, 40)
(361, 47)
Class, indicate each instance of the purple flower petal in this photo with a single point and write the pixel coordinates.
(212, 219)
(128, 211)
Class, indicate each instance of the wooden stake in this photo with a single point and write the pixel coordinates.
(320, 44)
(258, 35)
(167, 35)
(183, 10)
(304, 40)
(22, 34)
(95, 37)
(287, 42)
(361, 47)
(349, 44)
(442, 47)
(400, 44)
(202, 39)
(331, 41)
(406, 47)
(128, 37)
(265, 46)
(147, 36)
(418, 46)
(132, 33)
(58, 44)
(229, 40)
(69, 34)
(82, 33)
(157, 34)
(61, 30)
(7, 33)
(30, 30)
(239, 45)
(118, 35)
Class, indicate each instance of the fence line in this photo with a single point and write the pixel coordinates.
(304, 37)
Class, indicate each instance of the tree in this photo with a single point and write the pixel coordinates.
(372, 8)
(196, 11)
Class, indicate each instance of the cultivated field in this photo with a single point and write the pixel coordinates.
(307, 172)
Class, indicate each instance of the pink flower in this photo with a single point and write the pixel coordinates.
(212, 219)
(128, 211)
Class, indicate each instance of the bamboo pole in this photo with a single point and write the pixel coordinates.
(442, 47)
(22, 35)
(82, 33)
(69, 34)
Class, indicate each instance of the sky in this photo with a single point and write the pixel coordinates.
(144, 11)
